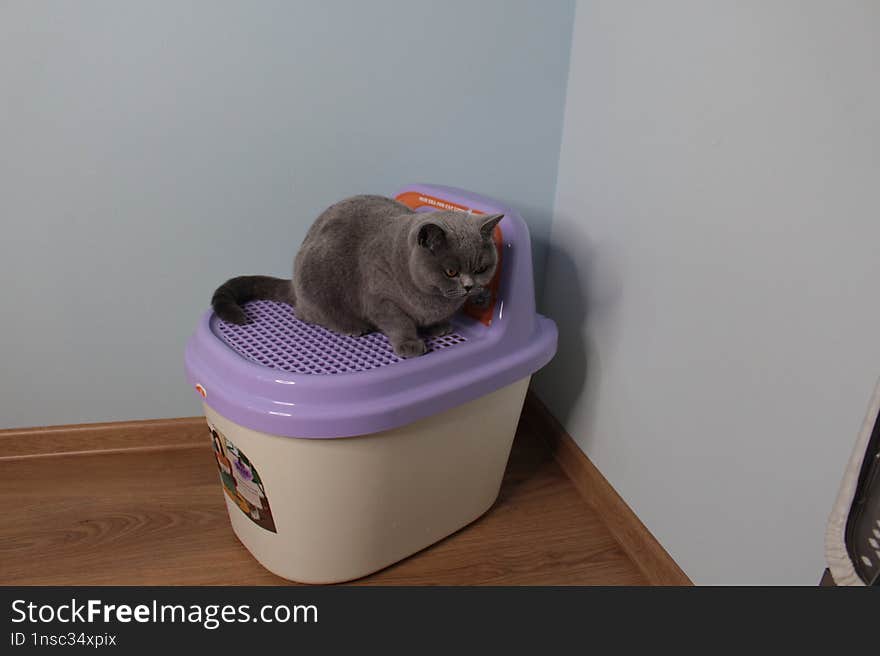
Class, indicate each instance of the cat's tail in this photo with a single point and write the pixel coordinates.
(235, 292)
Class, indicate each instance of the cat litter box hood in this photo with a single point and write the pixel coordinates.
(281, 376)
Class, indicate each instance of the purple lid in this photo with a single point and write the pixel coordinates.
(279, 375)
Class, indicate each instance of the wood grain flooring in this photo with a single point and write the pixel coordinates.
(646, 552)
(155, 516)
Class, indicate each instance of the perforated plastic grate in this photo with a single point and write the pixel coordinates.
(274, 337)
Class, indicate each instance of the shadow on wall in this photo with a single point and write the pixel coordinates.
(538, 220)
(569, 383)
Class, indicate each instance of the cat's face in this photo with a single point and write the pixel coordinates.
(453, 253)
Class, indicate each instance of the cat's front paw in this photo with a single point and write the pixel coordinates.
(410, 348)
(438, 329)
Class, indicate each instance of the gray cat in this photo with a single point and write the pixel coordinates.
(370, 263)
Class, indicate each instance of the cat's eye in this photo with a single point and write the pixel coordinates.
(451, 273)
(481, 270)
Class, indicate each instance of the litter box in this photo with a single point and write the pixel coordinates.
(336, 457)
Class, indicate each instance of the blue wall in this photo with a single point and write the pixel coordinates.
(152, 149)
(713, 270)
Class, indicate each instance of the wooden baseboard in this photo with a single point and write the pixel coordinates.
(106, 437)
(827, 581)
(647, 553)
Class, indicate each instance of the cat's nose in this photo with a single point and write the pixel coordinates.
(467, 288)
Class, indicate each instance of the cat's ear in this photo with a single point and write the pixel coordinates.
(488, 224)
(431, 236)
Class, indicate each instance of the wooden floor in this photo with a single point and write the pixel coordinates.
(157, 517)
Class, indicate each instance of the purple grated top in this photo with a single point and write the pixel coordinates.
(274, 337)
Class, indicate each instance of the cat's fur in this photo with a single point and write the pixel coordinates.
(370, 263)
